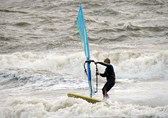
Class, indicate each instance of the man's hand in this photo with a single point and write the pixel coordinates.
(96, 62)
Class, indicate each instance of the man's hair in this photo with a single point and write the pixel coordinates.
(107, 60)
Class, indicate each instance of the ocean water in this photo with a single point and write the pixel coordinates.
(41, 58)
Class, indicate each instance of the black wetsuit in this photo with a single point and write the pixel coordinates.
(110, 75)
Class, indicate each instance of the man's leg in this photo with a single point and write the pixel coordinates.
(104, 91)
(107, 87)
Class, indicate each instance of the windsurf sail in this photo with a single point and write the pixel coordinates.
(84, 37)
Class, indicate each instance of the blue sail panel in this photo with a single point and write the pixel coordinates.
(84, 37)
(83, 32)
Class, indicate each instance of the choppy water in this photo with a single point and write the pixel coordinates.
(41, 57)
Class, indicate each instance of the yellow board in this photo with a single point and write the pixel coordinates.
(88, 99)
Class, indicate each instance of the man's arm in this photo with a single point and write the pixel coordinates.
(102, 63)
(103, 74)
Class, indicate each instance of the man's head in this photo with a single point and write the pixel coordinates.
(107, 60)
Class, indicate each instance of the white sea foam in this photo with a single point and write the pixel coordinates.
(127, 64)
(21, 107)
(140, 90)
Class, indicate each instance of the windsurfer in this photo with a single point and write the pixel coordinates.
(109, 74)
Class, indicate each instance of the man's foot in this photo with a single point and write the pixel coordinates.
(106, 97)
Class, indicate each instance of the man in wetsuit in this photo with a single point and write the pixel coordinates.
(109, 74)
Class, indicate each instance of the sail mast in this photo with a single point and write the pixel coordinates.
(84, 37)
